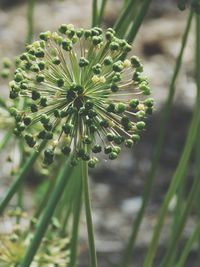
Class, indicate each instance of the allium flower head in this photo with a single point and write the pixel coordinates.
(54, 250)
(81, 94)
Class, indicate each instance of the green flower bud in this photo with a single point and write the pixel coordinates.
(117, 66)
(129, 143)
(87, 140)
(56, 60)
(107, 149)
(35, 95)
(114, 88)
(113, 155)
(6, 62)
(40, 78)
(48, 156)
(67, 128)
(30, 140)
(96, 149)
(66, 150)
(60, 82)
(140, 125)
(134, 103)
(83, 62)
(135, 137)
(114, 46)
(34, 108)
(44, 119)
(108, 61)
(92, 162)
(27, 120)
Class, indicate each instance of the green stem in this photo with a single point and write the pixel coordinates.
(196, 186)
(138, 21)
(94, 13)
(101, 12)
(76, 219)
(185, 252)
(124, 13)
(181, 223)
(62, 182)
(45, 198)
(158, 149)
(19, 179)
(176, 180)
(30, 15)
(92, 249)
(6, 139)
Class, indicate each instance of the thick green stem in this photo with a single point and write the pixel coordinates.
(30, 20)
(138, 21)
(176, 180)
(45, 198)
(158, 149)
(101, 12)
(76, 218)
(124, 13)
(19, 179)
(196, 185)
(186, 250)
(6, 139)
(62, 182)
(181, 223)
(94, 13)
(86, 192)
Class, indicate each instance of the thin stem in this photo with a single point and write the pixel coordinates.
(158, 149)
(124, 13)
(186, 250)
(176, 180)
(62, 182)
(101, 12)
(6, 139)
(138, 21)
(76, 218)
(30, 20)
(94, 13)
(181, 222)
(45, 198)
(92, 249)
(19, 179)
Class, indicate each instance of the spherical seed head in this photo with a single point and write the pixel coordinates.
(79, 88)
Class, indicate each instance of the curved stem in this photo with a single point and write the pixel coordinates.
(101, 12)
(19, 179)
(186, 250)
(30, 14)
(124, 13)
(158, 149)
(62, 182)
(138, 21)
(6, 139)
(176, 180)
(86, 192)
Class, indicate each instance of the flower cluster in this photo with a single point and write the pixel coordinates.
(54, 250)
(82, 94)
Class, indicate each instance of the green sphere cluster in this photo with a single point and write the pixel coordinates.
(54, 250)
(83, 96)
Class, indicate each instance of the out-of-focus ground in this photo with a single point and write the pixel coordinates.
(117, 187)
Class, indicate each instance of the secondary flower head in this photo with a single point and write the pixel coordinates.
(54, 250)
(82, 94)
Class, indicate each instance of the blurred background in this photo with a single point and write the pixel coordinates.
(117, 186)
